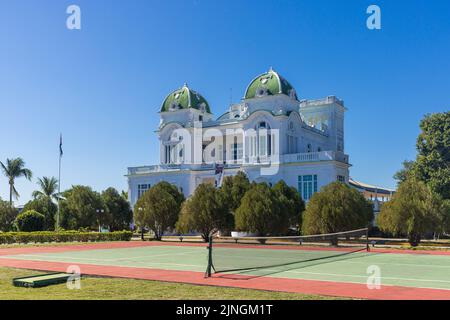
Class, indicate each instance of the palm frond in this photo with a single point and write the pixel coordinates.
(37, 194)
(48, 186)
(4, 169)
(26, 173)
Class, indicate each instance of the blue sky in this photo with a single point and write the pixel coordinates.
(102, 86)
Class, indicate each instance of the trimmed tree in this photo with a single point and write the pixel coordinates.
(158, 208)
(46, 207)
(79, 209)
(413, 211)
(8, 216)
(205, 212)
(30, 221)
(234, 188)
(405, 172)
(118, 208)
(433, 160)
(336, 208)
(261, 212)
(291, 202)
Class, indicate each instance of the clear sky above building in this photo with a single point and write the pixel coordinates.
(102, 86)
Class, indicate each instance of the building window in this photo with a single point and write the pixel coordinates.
(142, 188)
(200, 118)
(168, 153)
(307, 186)
(341, 178)
(262, 145)
(308, 148)
(236, 151)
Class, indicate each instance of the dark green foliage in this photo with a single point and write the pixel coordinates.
(233, 189)
(79, 210)
(413, 211)
(29, 221)
(291, 202)
(433, 160)
(405, 172)
(118, 210)
(172, 190)
(8, 215)
(45, 206)
(62, 236)
(261, 212)
(337, 207)
(158, 208)
(205, 212)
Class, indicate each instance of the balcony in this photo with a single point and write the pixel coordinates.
(315, 156)
(260, 160)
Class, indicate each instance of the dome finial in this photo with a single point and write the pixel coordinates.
(270, 69)
(185, 84)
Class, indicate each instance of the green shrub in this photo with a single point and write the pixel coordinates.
(64, 236)
(30, 220)
(45, 206)
(8, 215)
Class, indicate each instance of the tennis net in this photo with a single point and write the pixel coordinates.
(257, 255)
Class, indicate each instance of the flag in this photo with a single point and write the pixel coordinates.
(60, 146)
(219, 174)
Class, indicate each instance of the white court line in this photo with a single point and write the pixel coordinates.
(351, 260)
(93, 259)
(352, 276)
(99, 262)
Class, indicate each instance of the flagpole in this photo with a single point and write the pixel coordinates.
(59, 182)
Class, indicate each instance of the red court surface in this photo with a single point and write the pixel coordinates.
(328, 288)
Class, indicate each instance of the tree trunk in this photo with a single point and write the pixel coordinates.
(414, 239)
(10, 193)
(334, 241)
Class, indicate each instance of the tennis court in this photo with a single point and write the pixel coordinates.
(404, 275)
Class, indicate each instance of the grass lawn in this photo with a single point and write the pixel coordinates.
(93, 288)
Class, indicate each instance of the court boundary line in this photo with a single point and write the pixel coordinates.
(134, 244)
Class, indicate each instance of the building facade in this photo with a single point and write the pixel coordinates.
(378, 196)
(270, 134)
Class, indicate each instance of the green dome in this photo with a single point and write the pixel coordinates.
(269, 83)
(185, 98)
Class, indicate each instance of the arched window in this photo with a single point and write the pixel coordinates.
(264, 144)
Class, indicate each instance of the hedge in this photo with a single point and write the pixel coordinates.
(63, 236)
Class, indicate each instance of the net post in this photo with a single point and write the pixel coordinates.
(210, 265)
(367, 239)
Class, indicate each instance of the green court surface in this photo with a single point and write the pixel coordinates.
(411, 270)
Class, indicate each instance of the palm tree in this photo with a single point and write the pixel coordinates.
(15, 168)
(49, 188)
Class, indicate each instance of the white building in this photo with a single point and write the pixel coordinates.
(270, 134)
